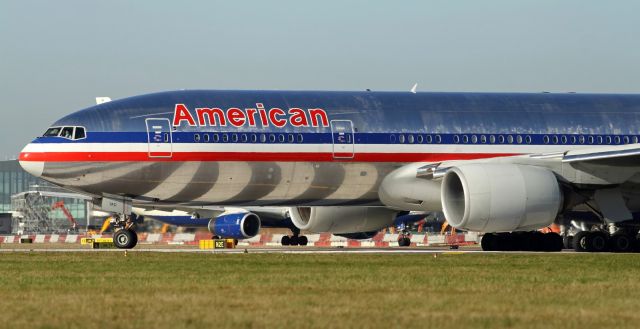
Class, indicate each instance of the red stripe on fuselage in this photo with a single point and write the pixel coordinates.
(251, 157)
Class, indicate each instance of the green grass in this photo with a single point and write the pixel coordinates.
(156, 290)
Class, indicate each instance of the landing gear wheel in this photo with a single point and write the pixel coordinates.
(621, 242)
(596, 242)
(567, 242)
(302, 240)
(125, 239)
(551, 242)
(580, 241)
(489, 242)
(285, 241)
(293, 240)
(404, 241)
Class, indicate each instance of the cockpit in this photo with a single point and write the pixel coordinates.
(71, 133)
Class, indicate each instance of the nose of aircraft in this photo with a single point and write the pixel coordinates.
(29, 163)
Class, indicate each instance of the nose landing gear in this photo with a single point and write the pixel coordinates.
(124, 237)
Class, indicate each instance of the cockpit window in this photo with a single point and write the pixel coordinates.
(67, 132)
(52, 132)
(79, 134)
(72, 133)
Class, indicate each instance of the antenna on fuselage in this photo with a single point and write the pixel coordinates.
(413, 89)
(100, 100)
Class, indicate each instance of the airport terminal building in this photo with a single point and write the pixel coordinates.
(14, 182)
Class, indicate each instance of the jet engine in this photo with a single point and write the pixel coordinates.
(341, 220)
(500, 197)
(242, 225)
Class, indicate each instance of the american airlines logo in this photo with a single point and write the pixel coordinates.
(253, 117)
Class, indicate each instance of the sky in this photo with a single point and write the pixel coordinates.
(57, 56)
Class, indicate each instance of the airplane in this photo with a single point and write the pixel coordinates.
(506, 164)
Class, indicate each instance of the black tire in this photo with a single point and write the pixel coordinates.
(404, 241)
(551, 242)
(489, 242)
(621, 242)
(302, 240)
(597, 242)
(293, 240)
(285, 241)
(580, 241)
(567, 242)
(125, 239)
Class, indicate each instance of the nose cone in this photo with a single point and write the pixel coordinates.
(29, 162)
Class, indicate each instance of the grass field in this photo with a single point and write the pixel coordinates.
(157, 290)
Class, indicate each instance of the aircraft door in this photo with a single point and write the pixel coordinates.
(343, 139)
(159, 138)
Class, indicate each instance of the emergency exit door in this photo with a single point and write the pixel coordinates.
(343, 138)
(159, 138)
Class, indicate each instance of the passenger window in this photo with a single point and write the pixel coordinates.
(67, 132)
(205, 137)
(393, 138)
(166, 137)
(501, 139)
(456, 139)
(555, 140)
(438, 139)
(300, 138)
(244, 138)
(519, 138)
(591, 140)
(564, 139)
(465, 139)
(581, 139)
(626, 139)
(79, 133)
(429, 139)
(600, 141)
(608, 139)
(635, 139)
(290, 138)
(401, 139)
(216, 138)
(234, 138)
(545, 139)
(528, 139)
(483, 139)
(616, 140)
(281, 138)
(510, 139)
(492, 139)
(419, 139)
(225, 138)
(474, 139)
(196, 137)
(254, 138)
(263, 138)
(574, 140)
(410, 139)
(272, 138)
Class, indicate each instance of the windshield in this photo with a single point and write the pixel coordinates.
(52, 132)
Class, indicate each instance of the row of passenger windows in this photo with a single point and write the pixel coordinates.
(248, 138)
(515, 139)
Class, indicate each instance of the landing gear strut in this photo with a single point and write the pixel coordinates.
(124, 237)
(295, 239)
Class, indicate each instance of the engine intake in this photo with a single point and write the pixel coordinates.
(242, 225)
(500, 197)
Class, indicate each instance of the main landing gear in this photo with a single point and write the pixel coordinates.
(124, 237)
(522, 241)
(294, 240)
(598, 241)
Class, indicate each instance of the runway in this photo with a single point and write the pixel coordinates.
(433, 251)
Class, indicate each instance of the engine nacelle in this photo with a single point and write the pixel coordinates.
(400, 189)
(500, 197)
(243, 225)
(341, 219)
